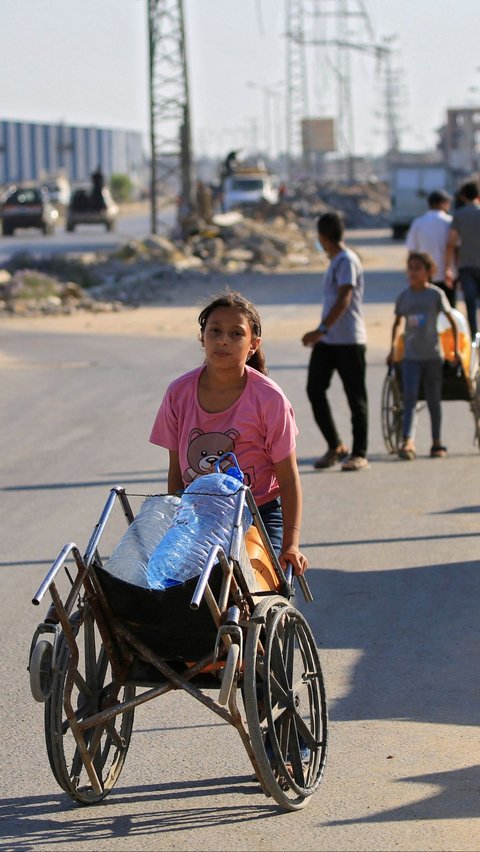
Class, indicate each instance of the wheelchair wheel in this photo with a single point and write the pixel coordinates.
(107, 743)
(41, 670)
(392, 410)
(285, 703)
(475, 405)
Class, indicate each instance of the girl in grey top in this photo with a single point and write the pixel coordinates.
(418, 307)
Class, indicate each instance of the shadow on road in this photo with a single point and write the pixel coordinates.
(28, 822)
(457, 799)
(155, 478)
(417, 630)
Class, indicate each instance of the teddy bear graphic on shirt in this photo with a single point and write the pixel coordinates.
(204, 450)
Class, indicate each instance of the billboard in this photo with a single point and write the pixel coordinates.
(318, 134)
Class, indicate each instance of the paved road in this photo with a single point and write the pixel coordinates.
(133, 223)
(396, 579)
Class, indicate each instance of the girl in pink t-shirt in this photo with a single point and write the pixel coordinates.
(227, 405)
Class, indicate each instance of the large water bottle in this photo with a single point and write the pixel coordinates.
(130, 557)
(203, 519)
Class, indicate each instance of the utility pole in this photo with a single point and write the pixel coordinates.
(296, 81)
(170, 134)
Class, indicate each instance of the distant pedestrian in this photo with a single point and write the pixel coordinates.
(98, 181)
(429, 233)
(464, 238)
(418, 307)
(339, 343)
(204, 202)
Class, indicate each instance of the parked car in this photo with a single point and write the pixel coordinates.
(28, 207)
(87, 207)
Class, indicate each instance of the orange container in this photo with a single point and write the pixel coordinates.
(446, 342)
(399, 348)
(260, 560)
(463, 343)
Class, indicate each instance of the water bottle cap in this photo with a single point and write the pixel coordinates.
(234, 470)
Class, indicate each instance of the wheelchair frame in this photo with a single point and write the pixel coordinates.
(457, 385)
(95, 667)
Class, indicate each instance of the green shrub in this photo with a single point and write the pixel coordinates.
(121, 187)
(30, 284)
(57, 266)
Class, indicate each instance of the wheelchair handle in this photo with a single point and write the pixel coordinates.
(307, 593)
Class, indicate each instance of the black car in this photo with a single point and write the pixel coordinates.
(28, 207)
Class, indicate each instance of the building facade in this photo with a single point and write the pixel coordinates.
(32, 152)
(460, 139)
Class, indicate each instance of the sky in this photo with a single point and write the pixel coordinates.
(85, 62)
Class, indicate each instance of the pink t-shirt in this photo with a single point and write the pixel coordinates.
(259, 428)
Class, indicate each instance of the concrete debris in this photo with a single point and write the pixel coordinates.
(142, 272)
(365, 205)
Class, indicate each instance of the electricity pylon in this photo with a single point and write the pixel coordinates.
(296, 77)
(392, 99)
(342, 12)
(170, 134)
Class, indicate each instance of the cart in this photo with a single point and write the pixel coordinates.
(107, 646)
(460, 382)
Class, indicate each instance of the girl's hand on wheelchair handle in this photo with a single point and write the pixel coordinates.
(298, 561)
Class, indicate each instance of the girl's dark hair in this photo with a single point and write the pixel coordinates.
(424, 258)
(233, 299)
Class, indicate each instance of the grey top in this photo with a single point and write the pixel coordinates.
(466, 220)
(345, 268)
(420, 309)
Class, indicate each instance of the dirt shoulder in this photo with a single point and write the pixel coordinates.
(279, 321)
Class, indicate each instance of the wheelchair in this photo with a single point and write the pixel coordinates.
(107, 645)
(460, 382)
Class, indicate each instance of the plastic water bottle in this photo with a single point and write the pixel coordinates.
(130, 557)
(204, 518)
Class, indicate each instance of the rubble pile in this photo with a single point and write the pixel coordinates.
(363, 205)
(30, 292)
(141, 272)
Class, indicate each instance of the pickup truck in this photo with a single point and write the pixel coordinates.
(242, 189)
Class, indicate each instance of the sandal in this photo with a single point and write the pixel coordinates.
(331, 457)
(355, 463)
(438, 452)
(407, 453)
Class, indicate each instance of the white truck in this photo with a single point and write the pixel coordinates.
(410, 186)
(243, 188)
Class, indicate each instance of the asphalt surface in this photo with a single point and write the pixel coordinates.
(396, 581)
